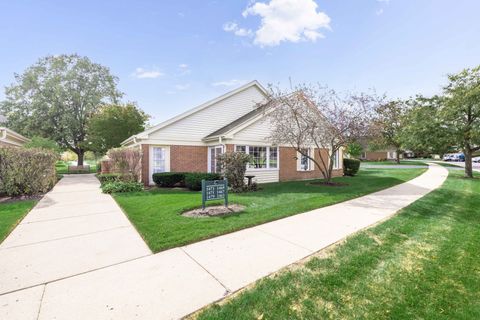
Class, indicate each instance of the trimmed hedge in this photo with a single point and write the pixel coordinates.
(193, 180)
(351, 166)
(108, 177)
(169, 179)
(122, 186)
(26, 171)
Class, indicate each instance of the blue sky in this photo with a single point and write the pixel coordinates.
(172, 55)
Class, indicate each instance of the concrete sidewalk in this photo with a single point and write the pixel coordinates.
(176, 282)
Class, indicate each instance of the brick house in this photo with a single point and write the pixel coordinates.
(191, 141)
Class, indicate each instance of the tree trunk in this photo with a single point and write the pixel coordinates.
(468, 162)
(80, 154)
(398, 156)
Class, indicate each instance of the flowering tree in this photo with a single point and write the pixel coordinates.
(127, 162)
(317, 117)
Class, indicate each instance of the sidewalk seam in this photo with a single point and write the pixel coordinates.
(228, 291)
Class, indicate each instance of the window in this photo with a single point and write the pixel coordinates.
(262, 157)
(273, 159)
(305, 162)
(214, 152)
(259, 157)
(336, 160)
(241, 149)
(158, 164)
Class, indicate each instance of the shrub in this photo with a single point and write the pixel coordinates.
(193, 180)
(26, 171)
(350, 166)
(108, 177)
(122, 186)
(169, 179)
(234, 165)
(43, 143)
(127, 162)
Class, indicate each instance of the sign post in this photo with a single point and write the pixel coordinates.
(214, 190)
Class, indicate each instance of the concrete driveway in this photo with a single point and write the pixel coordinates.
(75, 256)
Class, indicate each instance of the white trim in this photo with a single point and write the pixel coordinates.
(205, 105)
(247, 151)
(12, 138)
(311, 164)
(209, 157)
(150, 160)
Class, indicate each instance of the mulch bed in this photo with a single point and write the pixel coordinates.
(215, 211)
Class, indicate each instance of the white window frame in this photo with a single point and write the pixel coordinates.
(166, 160)
(337, 164)
(310, 163)
(210, 155)
(247, 151)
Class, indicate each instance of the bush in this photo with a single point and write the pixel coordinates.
(234, 165)
(193, 180)
(350, 166)
(169, 179)
(122, 186)
(108, 177)
(127, 161)
(26, 171)
(43, 143)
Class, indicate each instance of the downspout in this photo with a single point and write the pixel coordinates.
(4, 134)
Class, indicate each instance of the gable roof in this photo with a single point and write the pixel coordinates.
(236, 123)
(203, 106)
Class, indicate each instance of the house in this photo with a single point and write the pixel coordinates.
(235, 121)
(9, 138)
(379, 155)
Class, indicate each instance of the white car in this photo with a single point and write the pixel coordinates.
(447, 157)
(476, 159)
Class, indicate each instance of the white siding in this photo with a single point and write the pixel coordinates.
(200, 124)
(264, 176)
(256, 132)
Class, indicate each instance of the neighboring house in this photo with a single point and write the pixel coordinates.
(11, 138)
(191, 141)
(378, 155)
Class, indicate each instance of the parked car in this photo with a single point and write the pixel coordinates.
(476, 159)
(447, 157)
(458, 157)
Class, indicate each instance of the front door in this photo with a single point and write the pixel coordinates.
(213, 152)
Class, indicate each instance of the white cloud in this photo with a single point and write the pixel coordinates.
(183, 69)
(384, 1)
(228, 83)
(141, 73)
(283, 20)
(379, 12)
(182, 87)
(233, 27)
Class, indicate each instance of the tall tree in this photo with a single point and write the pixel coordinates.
(112, 124)
(55, 98)
(388, 123)
(424, 130)
(320, 118)
(461, 112)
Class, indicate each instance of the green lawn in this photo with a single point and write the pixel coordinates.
(11, 213)
(156, 213)
(422, 264)
(391, 162)
(62, 167)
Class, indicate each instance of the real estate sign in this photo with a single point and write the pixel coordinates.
(214, 190)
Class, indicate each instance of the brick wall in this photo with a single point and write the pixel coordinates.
(230, 147)
(288, 166)
(188, 158)
(376, 156)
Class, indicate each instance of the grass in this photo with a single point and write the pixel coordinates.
(62, 167)
(156, 213)
(11, 213)
(421, 264)
(391, 162)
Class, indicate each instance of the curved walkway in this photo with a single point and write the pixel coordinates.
(176, 282)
